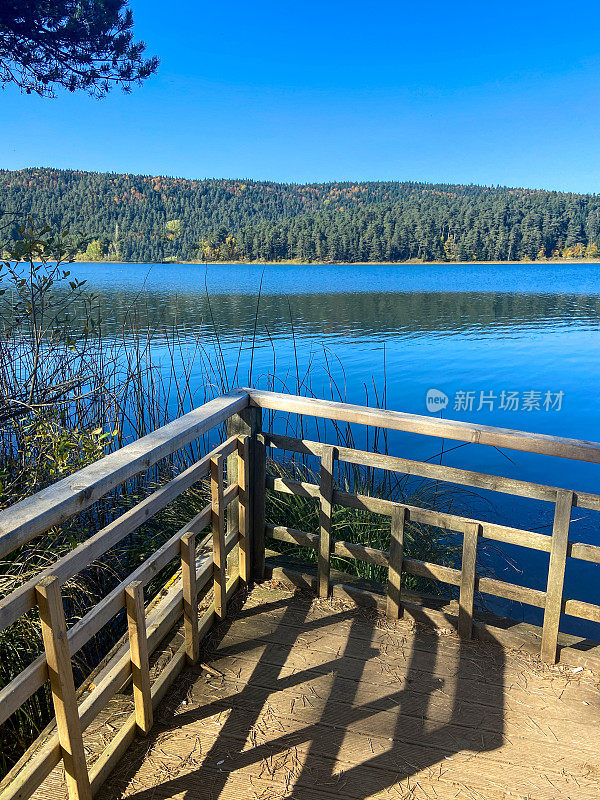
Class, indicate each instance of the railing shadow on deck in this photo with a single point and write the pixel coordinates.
(404, 745)
(237, 473)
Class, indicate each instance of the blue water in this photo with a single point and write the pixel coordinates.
(388, 334)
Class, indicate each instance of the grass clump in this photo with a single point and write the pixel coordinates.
(357, 526)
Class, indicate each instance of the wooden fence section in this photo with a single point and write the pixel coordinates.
(236, 470)
(203, 567)
(558, 545)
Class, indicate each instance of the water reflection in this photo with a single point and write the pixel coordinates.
(363, 331)
(354, 314)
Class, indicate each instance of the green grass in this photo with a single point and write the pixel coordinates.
(423, 542)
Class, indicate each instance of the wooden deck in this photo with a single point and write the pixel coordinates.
(317, 699)
(304, 698)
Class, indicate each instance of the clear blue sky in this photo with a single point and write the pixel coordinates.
(496, 92)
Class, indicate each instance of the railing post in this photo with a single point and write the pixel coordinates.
(394, 608)
(138, 646)
(60, 672)
(190, 596)
(249, 423)
(243, 456)
(467, 580)
(325, 512)
(556, 575)
(218, 533)
(258, 473)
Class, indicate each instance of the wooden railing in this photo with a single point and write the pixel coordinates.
(203, 567)
(557, 545)
(236, 515)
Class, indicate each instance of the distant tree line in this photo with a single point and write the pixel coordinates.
(145, 218)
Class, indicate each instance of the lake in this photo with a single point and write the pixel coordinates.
(515, 346)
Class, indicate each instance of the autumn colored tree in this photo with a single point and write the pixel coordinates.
(173, 228)
(94, 251)
(153, 219)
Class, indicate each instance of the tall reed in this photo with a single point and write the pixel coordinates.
(70, 393)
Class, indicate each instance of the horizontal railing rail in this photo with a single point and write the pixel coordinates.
(23, 521)
(23, 599)
(437, 472)
(237, 471)
(539, 443)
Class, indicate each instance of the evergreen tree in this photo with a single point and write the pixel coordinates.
(146, 218)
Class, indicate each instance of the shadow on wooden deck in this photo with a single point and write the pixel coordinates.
(311, 699)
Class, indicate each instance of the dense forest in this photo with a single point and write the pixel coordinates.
(148, 219)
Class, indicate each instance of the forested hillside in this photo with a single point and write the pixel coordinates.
(144, 218)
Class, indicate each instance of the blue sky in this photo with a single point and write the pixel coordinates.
(463, 92)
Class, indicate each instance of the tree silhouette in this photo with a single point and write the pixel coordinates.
(75, 44)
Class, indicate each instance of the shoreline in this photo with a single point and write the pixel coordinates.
(412, 262)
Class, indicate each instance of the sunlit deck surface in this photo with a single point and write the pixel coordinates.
(305, 698)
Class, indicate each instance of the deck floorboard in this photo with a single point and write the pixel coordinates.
(313, 699)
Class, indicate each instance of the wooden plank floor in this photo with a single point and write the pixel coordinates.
(315, 700)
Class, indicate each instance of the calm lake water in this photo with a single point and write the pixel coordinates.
(513, 346)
